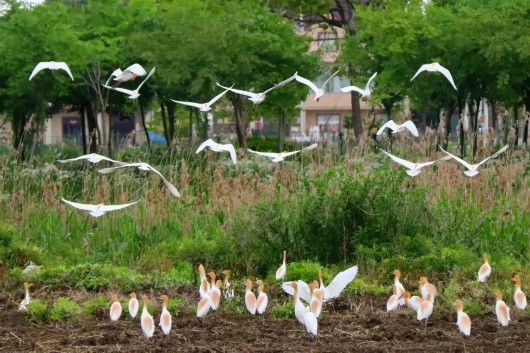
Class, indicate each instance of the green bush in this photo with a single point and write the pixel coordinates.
(284, 311)
(65, 309)
(96, 307)
(307, 271)
(38, 311)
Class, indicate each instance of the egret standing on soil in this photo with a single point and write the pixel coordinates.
(203, 288)
(317, 296)
(115, 308)
(133, 305)
(462, 320)
(399, 287)
(393, 302)
(165, 316)
(502, 310)
(282, 270)
(263, 300)
(250, 298)
(147, 322)
(205, 303)
(485, 270)
(25, 302)
(519, 297)
(425, 310)
(413, 302)
(215, 292)
(299, 309)
(426, 289)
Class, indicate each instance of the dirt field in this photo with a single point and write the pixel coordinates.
(352, 324)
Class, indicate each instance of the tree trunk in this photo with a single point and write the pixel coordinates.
(83, 131)
(449, 108)
(281, 121)
(171, 119)
(241, 124)
(142, 113)
(462, 137)
(92, 127)
(19, 121)
(190, 133)
(423, 114)
(474, 124)
(516, 124)
(109, 138)
(164, 122)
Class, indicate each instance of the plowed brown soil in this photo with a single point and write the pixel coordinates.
(353, 324)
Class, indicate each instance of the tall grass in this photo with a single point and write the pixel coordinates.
(321, 207)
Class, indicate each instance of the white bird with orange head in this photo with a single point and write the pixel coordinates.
(215, 292)
(399, 287)
(502, 310)
(205, 303)
(425, 310)
(165, 316)
(393, 302)
(299, 309)
(413, 302)
(133, 305)
(462, 319)
(263, 299)
(337, 285)
(282, 270)
(426, 289)
(317, 297)
(203, 288)
(250, 298)
(115, 308)
(519, 297)
(485, 270)
(146, 320)
(26, 301)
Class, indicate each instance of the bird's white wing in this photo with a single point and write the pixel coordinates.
(389, 124)
(137, 69)
(403, 162)
(329, 78)
(305, 81)
(65, 67)
(303, 290)
(122, 90)
(494, 155)
(464, 163)
(422, 68)
(123, 165)
(207, 143)
(81, 206)
(368, 84)
(114, 73)
(170, 186)
(238, 91)
(107, 208)
(411, 127)
(352, 88)
(230, 148)
(282, 83)
(341, 281)
(191, 104)
(40, 66)
(310, 147)
(266, 154)
(447, 74)
(147, 78)
(214, 99)
(86, 156)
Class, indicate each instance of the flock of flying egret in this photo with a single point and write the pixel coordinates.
(314, 294)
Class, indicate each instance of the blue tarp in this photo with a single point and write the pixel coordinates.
(156, 138)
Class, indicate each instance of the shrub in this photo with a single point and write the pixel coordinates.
(38, 311)
(284, 311)
(96, 307)
(65, 309)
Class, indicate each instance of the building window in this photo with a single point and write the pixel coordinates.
(326, 42)
(328, 123)
(71, 128)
